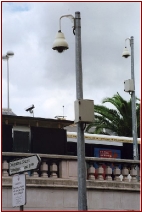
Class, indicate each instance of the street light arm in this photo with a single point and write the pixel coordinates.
(67, 16)
(129, 41)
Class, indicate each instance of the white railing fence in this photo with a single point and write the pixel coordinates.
(65, 167)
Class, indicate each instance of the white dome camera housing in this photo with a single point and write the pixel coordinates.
(125, 53)
(60, 43)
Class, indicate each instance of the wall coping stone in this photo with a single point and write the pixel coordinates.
(69, 157)
(40, 182)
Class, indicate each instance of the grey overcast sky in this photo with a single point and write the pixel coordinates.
(45, 78)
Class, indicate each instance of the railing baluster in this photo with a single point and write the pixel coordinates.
(5, 168)
(100, 171)
(133, 173)
(125, 173)
(116, 172)
(53, 170)
(108, 172)
(27, 175)
(91, 172)
(44, 169)
(35, 174)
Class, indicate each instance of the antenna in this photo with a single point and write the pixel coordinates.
(61, 117)
(63, 111)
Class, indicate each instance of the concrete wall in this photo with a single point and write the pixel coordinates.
(61, 194)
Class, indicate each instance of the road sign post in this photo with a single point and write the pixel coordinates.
(24, 164)
(19, 180)
(21, 208)
(19, 190)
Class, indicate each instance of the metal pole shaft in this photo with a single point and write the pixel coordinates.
(8, 84)
(21, 208)
(133, 99)
(82, 199)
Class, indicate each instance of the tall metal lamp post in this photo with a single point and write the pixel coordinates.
(60, 45)
(130, 87)
(6, 57)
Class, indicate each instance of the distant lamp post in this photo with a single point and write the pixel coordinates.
(6, 57)
(60, 44)
(130, 87)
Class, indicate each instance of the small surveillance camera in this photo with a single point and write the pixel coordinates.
(60, 44)
(30, 108)
(60, 49)
(126, 55)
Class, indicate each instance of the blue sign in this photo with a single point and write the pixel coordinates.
(106, 153)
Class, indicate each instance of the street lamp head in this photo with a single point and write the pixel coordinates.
(10, 53)
(125, 53)
(60, 43)
(4, 57)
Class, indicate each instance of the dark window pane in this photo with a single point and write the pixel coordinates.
(21, 141)
(7, 138)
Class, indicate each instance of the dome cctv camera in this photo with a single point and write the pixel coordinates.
(60, 49)
(126, 56)
(125, 53)
(60, 44)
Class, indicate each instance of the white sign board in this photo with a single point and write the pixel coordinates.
(24, 164)
(18, 190)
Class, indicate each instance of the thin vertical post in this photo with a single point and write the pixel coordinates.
(21, 208)
(8, 84)
(133, 102)
(82, 199)
(63, 111)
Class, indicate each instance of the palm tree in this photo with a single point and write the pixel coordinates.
(117, 121)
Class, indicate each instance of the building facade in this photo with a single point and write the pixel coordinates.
(112, 182)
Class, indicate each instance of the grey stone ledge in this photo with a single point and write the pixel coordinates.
(69, 157)
(73, 184)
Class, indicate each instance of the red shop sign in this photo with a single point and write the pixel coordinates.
(105, 154)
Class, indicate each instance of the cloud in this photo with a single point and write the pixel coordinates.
(41, 76)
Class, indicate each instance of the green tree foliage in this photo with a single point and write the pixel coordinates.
(118, 121)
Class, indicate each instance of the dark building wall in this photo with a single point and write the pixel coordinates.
(89, 148)
(21, 141)
(7, 141)
(48, 141)
(126, 149)
(52, 141)
(38, 140)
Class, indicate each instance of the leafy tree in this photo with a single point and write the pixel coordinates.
(117, 121)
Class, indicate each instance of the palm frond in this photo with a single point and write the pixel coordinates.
(118, 121)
